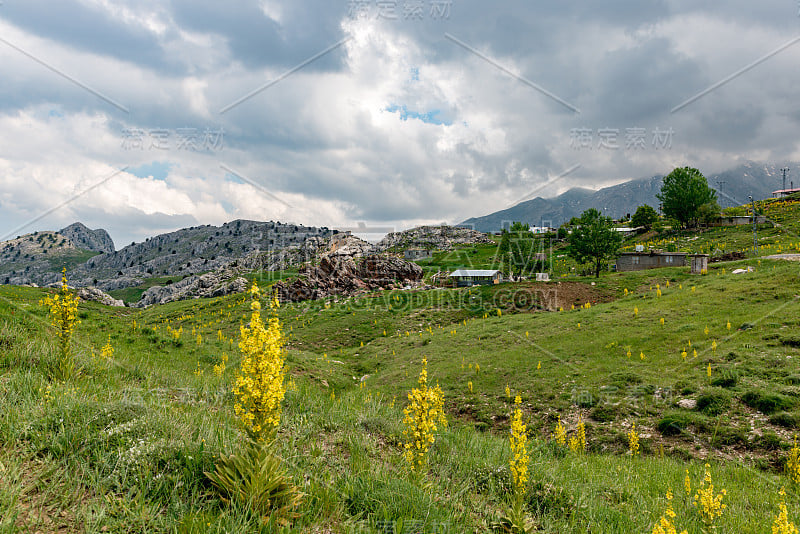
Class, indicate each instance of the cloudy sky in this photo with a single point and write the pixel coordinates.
(145, 116)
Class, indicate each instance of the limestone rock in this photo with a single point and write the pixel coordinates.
(338, 275)
(210, 285)
(86, 239)
(95, 295)
(432, 237)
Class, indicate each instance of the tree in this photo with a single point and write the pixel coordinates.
(594, 240)
(645, 216)
(683, 192)
(517, 227)
(709, 212)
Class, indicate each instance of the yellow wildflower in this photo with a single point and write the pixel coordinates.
(518, 439)
(782, 525)
(259, 385)
(560, 435)
(709, 505)
(633, 441)
(425, 410)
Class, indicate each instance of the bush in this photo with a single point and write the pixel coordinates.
(713, 402)
(673, 424)
(769, 441)
(727, 435)
(604, 413)
(727, 379)
(767, 403)
(785, 419)
(546, 498)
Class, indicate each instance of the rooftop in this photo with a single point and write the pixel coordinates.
(474, 272)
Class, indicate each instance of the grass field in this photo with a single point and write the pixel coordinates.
(123, 445)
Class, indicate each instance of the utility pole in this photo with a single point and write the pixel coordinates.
(755, 227)
(784, 170)
(720, 183)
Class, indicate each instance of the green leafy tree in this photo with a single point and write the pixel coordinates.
(683, 192)
(517, 227)
(709, 212)
(645, 216)
(594, 240)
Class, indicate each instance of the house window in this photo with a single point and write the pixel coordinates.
(669, 259)
(636, 260)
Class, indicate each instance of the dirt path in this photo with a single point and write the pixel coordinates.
(791, 257)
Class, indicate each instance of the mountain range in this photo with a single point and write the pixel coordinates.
(91, 260)
(733, 188)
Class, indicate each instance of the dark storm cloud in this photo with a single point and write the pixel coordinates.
(642, 83)
(76, 25)
(256, 40)
(323, 134)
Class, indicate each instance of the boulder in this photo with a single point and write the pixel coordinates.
(208, 285)
(341, 275)
(95, 295)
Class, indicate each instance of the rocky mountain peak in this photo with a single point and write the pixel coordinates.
(87, 239)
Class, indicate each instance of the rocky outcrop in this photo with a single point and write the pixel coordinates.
(86, 239)
(216, 284)
(432, 237)
(338, 275)
(95, 295)
(346, 245)
(195, 250)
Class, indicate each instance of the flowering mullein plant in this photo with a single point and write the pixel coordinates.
(259, 387)
(63, 307)
(425, 410)
(516, 519)
(254, 476)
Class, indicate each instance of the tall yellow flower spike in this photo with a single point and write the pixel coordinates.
(709, 505)
(425, 410)
(560, 435)
(259, 387)
(519, 452)
(666, 525)
(782, 525)
(63, 308)
(633, 441)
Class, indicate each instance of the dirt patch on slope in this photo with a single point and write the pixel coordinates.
(548, 296)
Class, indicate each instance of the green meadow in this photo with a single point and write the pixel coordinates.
(706, 367)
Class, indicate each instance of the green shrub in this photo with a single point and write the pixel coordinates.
(767, 403)
(496, 480)
(546, 498)
(624, 379)
(769, 441)
(727, 435)
(713, 402)
(604, 413)
(793, 380)
(673, 424)
(785, 419)
(726, 379)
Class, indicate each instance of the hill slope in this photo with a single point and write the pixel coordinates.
(754, 179)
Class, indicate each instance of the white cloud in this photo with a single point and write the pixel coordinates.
(323, 141)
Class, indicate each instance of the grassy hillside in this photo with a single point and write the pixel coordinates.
(122, 446)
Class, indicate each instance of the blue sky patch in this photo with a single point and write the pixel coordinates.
(157, 169)
(429, 118)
